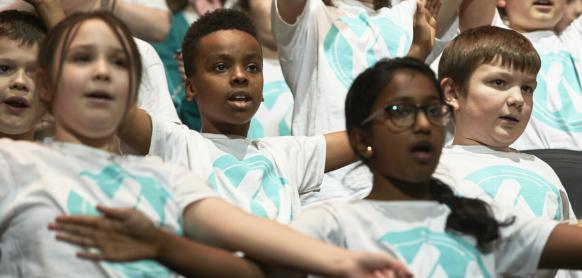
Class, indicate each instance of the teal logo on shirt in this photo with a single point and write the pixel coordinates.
(437, 254)
(272, 92)
(558, 96)
(110, 180)
(255, 178)
(355, 43)
(519, 188)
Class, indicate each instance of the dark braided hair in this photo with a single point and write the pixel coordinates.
(468, 216)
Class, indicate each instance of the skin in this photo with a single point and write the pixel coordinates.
(260, 14)
(573, 10)
(500, 99)
(231, 64)
(399, 174)
(17, 66)
(525, 16)
(95, 64)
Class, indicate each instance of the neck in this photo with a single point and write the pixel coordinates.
(226, 129)
(462, 140)
(107, 143)
(27, 136)
(392, 189)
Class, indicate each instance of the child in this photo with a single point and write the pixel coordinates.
(555, 122)
(20, 108)
(491, 89)
(223, 62)
(89, 71)
(395, 114)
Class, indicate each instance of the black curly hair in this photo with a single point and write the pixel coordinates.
(222, 19)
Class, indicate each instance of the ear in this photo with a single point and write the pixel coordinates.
(501, 4)
(43, 86)
(451, 91)
(360, 144)
(190, 90)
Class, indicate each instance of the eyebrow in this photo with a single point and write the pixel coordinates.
(413, 100)
(92, 47)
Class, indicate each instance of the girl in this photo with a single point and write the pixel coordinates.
(89, 72)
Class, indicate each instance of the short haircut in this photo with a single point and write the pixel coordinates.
(222, 19)
(22, 27)
(486, 45)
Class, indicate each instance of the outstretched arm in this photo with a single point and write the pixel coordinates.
(50, 11)
(144, 22)
(289, 10)
(563, 248)
(136, 130)
(424, 29)
(338, 152)
(140, 239)
(475, 13)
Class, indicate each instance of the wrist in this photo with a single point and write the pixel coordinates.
(418, 52)
(158, 244)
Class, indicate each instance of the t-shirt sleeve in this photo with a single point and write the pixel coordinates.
(156, 4)
(169, 140)
(522, 244)
(297, 43)
(320, 222)
(154, 95)
(303, 157)
(188, 188)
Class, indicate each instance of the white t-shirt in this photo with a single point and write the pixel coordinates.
(156, 4)
(153, 93)
(263, 177)
(556, 121)
(414, 232)
(40, 182)
(274, 115)
(509, 179)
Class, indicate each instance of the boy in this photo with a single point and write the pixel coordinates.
(557, 107)
(491, 92)
(20, 107)
(223, 64)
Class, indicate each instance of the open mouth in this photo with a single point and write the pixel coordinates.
(510, 118)
(240, 100)
(99, 96)
(543, 3)
(422, 151)
(16, 102)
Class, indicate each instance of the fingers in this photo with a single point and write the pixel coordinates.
(115, 213)
(82, 220)
(433, 7)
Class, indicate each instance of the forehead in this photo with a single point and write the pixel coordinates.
(228, 42)
(16, 51)
(498, 68)
(408, 85)
(94, 31)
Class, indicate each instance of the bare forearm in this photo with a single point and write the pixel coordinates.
(261, 239)
(198, 260)
(289, 10)
(563, 248)
(137, 130)
(475, 13)
(50, 11)
(146, 23)
(338, 153)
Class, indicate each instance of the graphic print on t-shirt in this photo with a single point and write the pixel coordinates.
(519, 188)
(255, 178)
(273, 93)
(110, 180)
(558, 96)
(436, 254)
(355, 43)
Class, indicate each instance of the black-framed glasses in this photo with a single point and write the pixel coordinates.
(405, 115)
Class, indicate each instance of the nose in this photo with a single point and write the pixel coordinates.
(239, 76)
(422, 124)
(515, 98)
(101, 70)
(21, 81)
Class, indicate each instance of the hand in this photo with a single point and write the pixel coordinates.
(119, 235)
(203, 7)
(365, 264)
(424, 29)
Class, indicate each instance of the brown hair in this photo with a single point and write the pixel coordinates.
(23, 27)
(58, 40)
(484, 45)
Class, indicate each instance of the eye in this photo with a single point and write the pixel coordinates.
(254, 68)
(498, 82)
(81, 58)
(5, 69)
(120, 62)
(399, 111)
(436, 110)
(220, 67)
(528, 89)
